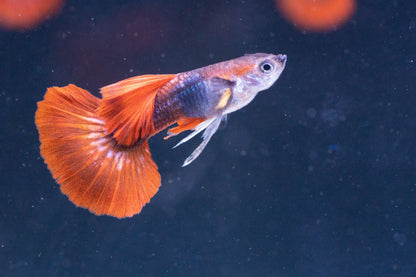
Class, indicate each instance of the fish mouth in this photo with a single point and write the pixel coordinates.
(281, 58)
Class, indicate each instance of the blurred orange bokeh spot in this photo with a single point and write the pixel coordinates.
(316, 15)
(26, 14)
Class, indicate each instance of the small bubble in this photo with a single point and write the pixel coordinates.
(332, 148)
(311, 112)
(399, 238)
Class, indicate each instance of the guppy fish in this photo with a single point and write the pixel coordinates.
(97, 149)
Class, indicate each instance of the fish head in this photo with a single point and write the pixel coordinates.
(266, 69)
(262, 71)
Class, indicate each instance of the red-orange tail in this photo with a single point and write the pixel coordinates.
(92, 169)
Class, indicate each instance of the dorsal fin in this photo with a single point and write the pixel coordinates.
(127, 107)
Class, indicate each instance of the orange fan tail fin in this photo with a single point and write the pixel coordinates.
(184, 124)
(92, 169)
(127, 107)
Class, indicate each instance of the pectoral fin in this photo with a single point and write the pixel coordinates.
(222, 89)
(223, 99)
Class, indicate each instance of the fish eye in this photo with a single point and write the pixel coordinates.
(266, 67)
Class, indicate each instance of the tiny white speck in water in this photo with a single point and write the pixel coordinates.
(400, 238)
(311, 112)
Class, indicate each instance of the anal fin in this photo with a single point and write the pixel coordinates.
(184, 124)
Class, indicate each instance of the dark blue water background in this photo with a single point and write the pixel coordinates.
(316, 177)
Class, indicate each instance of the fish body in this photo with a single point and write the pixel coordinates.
(203, 88)
(97, 149)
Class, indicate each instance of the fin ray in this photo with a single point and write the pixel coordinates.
(206, 136)
(196, 131)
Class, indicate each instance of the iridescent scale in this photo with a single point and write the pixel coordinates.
(184, 95)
